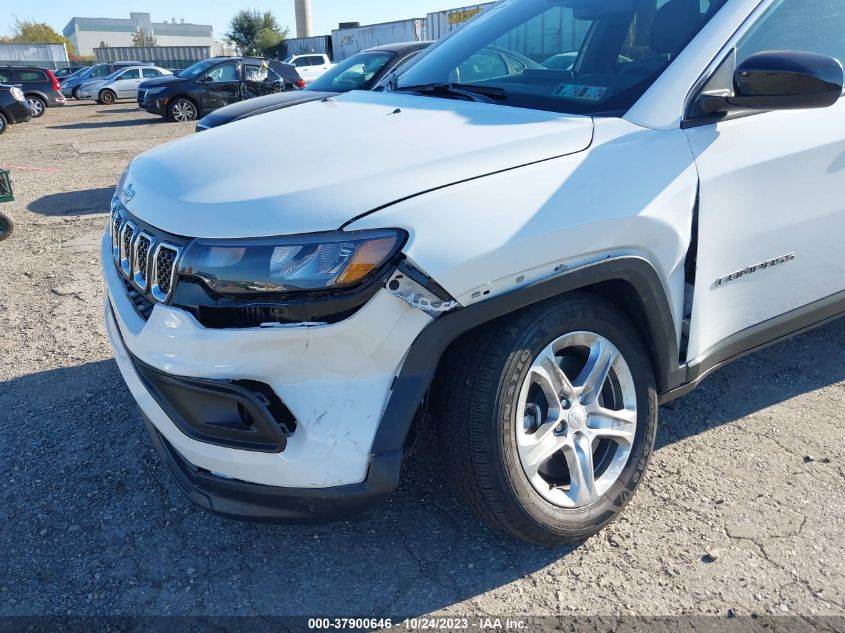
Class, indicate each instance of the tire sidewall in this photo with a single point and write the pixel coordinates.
(4, 124)
(553, 322)
(107, 97)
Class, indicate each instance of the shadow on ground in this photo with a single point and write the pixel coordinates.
(147, 120)
(87, 202)
(92, 523)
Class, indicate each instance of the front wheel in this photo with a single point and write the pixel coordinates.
(36, 106)
(3, 123)
(182, 110)
(549, 418)
(107, 97)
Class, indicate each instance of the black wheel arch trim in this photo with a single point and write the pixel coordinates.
(414, 379)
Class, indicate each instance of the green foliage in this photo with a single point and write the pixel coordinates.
(254, 32)
(141, 39)
(37, 33)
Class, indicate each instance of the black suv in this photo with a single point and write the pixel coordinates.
(13, 107)
(214, 83)
(39, 85)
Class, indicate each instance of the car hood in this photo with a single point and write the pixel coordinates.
(160, 81)
(317, 166)
(93, 83)
(261, 105)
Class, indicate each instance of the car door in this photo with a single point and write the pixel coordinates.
(221, 86)
(771, 214)
(126, 84)
(260, 79)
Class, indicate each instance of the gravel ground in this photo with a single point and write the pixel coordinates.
(742, 510)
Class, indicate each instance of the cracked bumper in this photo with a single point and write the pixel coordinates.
(253, 502)
(335, 380)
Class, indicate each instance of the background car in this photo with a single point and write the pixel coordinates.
(364, 71)
(121, 84)
(214, 83)
(310, 66)
(63, 73)
(13, 107)
(39, 85)
(71, 85)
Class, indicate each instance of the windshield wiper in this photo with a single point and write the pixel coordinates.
(473, 92)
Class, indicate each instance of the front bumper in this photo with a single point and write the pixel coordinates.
(152, 103)
(253, 502)
(335, 380)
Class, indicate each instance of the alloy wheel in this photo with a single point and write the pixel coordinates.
(183, 111)
(577, 419)
(36, 106)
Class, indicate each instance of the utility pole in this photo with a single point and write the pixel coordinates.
(303, 18)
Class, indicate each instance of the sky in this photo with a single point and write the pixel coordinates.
(326, 13)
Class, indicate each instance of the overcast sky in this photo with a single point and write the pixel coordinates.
(326, 13)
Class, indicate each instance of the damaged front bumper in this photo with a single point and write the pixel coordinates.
(334, 380)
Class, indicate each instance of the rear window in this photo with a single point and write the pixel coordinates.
(31, 75)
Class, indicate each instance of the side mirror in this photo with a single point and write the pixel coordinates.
(780, 80)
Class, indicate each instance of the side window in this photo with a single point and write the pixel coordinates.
(150, 73)
(302, 62)
(225, 72)
(316, 61)
(130, 74)
(5, 75)
(255, 73)
(101, 71)
(812, 26)
(486, 64)
(31, 75)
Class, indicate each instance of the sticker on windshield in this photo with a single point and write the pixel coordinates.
(577, 91)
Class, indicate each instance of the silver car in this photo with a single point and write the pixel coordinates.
(121, 84)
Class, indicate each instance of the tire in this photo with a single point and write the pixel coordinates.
(37, 106)
(75, 93)
(4, 124)
(182, 110)
(107, 97)
(6, 227)
(492, 425)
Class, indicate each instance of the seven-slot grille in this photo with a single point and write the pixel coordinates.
(146, 259)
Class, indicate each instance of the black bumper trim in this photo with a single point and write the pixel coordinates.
(268, 504)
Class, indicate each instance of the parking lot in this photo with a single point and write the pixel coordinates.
(742, 510)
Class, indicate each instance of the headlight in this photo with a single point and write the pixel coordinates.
(327, 261)
(153, 91)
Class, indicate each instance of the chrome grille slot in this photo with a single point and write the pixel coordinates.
(116, 224)
(141, 260)
(164, 270)
(146, 258)
(127, 234)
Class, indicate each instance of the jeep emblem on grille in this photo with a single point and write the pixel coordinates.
(128, 193)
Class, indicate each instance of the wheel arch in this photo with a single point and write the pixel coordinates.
(630, 283)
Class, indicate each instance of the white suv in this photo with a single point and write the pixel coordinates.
(535, 258)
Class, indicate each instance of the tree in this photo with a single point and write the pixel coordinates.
(253, 32)
(141, 39)
(38, 33)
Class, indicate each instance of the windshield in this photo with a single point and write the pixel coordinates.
(356, 73)
(593, 57)
(197, 69)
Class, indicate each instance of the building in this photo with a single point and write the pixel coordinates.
(86, 34)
